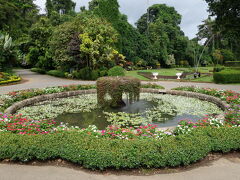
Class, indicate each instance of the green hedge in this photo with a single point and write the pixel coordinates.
(38, 70)
(56, 73)
(102, 153)
(232, 63)
(227, 76)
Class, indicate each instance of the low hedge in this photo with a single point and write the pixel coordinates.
(232, 63)
(56, 73)
(102, 153)
(6, 78)
(227, 76)
(38, 70)
(10, 81)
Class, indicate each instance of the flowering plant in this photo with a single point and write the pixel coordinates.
(19, 125)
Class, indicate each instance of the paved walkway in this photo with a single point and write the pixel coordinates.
(222, 169)
(34, 80)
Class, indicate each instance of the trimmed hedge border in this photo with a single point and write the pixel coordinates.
(10, 81)
(102, 153)
(16, 106)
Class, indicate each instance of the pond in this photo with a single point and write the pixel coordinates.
(161, 110)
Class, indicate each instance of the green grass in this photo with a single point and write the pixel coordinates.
(172, 72)
(203, 79)
(136, 75)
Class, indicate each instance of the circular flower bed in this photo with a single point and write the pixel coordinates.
(122, 148)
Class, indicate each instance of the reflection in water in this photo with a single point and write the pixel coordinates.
(97, 117)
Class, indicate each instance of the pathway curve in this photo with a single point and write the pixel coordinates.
(35, 80)
(222, 169)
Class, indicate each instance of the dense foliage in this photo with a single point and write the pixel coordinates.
(160, 25)
(116, 71)
(88, 43)
(115, 87)
(227, 76)
(79, 44)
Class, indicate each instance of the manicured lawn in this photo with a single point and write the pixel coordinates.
(172, 72)
(136, 75)
(204, 79)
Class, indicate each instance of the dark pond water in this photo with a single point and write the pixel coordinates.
(97, 117)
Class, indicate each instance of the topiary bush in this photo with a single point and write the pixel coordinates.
(116, 71)
(115, 87)
(56, 73)
(227, 76)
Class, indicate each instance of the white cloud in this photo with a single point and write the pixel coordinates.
(193, 11)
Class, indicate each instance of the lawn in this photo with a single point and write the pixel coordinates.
(172, 72)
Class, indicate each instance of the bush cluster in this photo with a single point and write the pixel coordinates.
(116, 71)
(102, 153)
(218, 68)
(86, 74)
(56, 73)
(232, 63)
(38, 70)
(227, 76)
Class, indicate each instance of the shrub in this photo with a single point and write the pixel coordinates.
(102, 153)
(116, 71)
(103, 73)
(85, 74)
(94, 75)
(227, 76)
(76, 75)
(232, 63)
(218, 68)
(38, 70)
(56, 73)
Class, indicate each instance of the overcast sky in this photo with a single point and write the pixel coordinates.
(193, 11)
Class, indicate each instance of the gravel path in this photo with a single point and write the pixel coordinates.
(34, 80)
(221, 169)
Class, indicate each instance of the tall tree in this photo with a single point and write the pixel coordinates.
(227, 14)
(60, 6)
(129, 41)
(161, 26)
(17, 16)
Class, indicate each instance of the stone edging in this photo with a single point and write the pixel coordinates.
(200, 96)
(16, 106)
